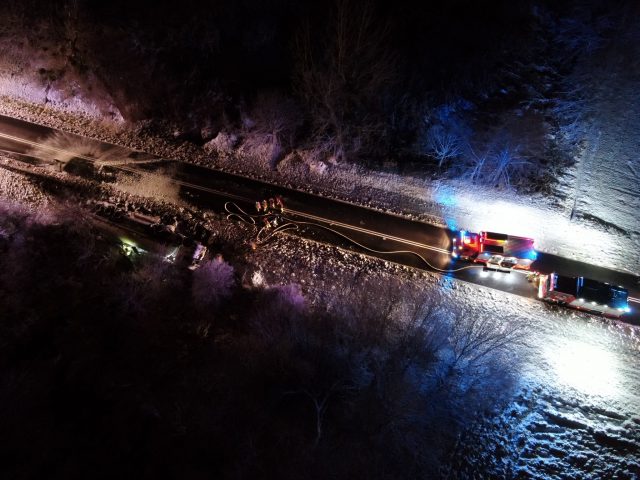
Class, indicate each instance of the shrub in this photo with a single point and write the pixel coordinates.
(213, 282)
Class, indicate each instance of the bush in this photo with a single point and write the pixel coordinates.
(213, 282)
(444, 133)
(115, 368)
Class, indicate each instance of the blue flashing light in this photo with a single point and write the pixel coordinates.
(446, 197)
(531, 255)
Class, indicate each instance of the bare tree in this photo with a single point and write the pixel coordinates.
(272, 127)
(343, 84)
(475, 337)
(320, 402)
(442, 144)
(278, 116)
(573, 110)
(445, 133)
(475, 166)
(503, 167)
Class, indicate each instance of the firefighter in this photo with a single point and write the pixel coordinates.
(272, 204)
(258, 207)
(279, 204)
(265, 206)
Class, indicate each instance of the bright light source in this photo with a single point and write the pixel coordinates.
(126, 241)
(502, 276)
(171, 257)
(591, 369)
(130, 248)
(446, 196)
(549, 229)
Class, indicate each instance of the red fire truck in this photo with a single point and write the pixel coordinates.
(496, 250)
(584, 294)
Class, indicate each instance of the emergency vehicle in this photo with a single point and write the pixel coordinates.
(584, 294)
(498, 251)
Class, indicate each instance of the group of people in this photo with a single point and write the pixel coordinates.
(272, 205)
(268, 208)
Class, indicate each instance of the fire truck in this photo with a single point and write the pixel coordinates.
(497, 251)
(584, 294)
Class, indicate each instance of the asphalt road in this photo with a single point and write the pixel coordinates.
(375, 233)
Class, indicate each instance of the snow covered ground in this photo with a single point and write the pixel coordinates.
(607, 187)
(605, 184)
(39, 72)
(455, 204)
(576, 414)
(576, 410)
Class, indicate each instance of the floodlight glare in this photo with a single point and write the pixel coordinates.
(588, 368)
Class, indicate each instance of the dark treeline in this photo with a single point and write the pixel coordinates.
(249, 45)
(120, 368)
(461, 83)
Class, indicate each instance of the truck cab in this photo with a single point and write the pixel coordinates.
(466, 245)
(516, 253)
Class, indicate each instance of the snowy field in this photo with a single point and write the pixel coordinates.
(576, 413)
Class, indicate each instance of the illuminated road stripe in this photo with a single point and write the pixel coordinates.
(635, 300)
(305, 215)
(237, 197)
(46, 147)
(302, 214)
(334, 223)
